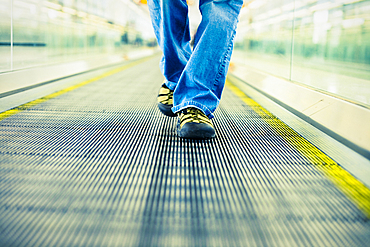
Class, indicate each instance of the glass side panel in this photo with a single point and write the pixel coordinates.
(332, 47)
(47, 32)
(331, 43)
(264, 36)
(29, 38)
(5, 34)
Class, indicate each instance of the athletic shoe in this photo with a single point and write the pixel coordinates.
(194, 124)
(165, 101)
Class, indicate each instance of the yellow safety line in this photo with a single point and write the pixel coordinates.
(28, 105)
(349, 185)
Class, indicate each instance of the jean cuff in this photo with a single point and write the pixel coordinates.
(188, 104)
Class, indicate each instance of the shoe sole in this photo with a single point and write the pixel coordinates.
(166, 110)
(196, 131)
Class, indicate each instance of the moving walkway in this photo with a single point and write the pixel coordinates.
(96, 164)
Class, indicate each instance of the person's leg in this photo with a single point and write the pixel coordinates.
(171, 27)
(203, 79)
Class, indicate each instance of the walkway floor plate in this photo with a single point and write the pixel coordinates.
(100, 166)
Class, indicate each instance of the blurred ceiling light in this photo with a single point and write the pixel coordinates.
(269, 14)
(320, 17)
(307, 2)
(353, 22)
(140, 1)
(256, 4)
(300, 4)
(257, 26)
(96, 18)
(81, 14)
(338, 13)
(118, 27)
(282, 18)
(243, 12)
(261, 17)
(293, 5)
(53, 5)
(52, 14)
(351, 1)
(243, 24)
(21, 4)
(288, 7)
(64, 15)
(69, 10)
(302, 13)
(274, 12)
(366, 9)
(133, 6)
(30, 6)
(324, 6)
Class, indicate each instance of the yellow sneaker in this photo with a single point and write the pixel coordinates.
(165, 101)
(194, 124)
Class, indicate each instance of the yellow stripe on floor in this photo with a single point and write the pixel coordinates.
(349, 185)
(28, 105)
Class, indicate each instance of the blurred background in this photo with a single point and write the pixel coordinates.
(324, 44)
(39, 32)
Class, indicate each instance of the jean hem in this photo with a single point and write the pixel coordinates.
(188, 104)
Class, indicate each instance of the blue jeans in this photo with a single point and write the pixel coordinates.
(196, 75)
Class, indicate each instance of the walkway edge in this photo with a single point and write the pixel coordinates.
(354, 189)
(342, 119)
(30, 104)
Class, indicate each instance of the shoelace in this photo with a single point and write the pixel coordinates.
(194, 115)
(193, 112)
(169, 95)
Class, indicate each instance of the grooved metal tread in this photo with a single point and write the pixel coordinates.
(100, 166)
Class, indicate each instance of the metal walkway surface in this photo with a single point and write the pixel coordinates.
(98, 165)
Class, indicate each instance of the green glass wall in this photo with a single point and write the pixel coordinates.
(5, 35)
(324, 44)
(47, 32)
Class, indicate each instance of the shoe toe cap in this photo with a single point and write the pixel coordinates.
(197, 131)
(166, 110)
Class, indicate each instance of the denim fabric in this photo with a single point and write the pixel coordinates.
(197, 76)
